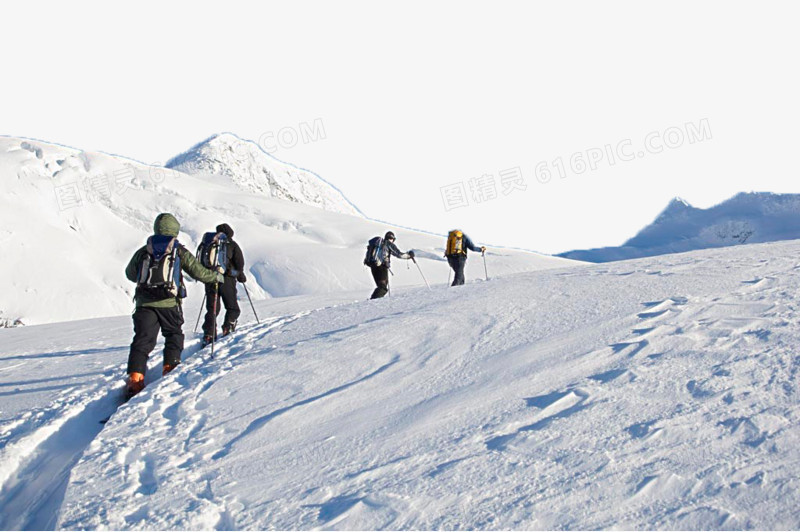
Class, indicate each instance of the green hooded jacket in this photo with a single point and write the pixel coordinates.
(167, 225)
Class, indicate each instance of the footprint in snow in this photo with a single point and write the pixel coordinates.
(643, 430)
(148, 482)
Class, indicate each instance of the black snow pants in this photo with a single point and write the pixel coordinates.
(227, 296)
(457, 262)
(146, 323)
(381, 276)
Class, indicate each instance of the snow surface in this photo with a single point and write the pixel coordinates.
(71, 220)
(747, 218)
(660, 393)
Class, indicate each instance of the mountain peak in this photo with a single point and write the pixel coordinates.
(679, 202)
(252, 169)
(748, 217)
(677, 207)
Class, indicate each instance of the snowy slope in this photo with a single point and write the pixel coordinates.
(746, 218)
(652, 394)
(70, 221)
(254, 170)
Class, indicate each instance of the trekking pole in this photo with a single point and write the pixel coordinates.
(251, 302)
(485, 271)
(420, 272)
(214, 334)
(448, 275)
(203, 304)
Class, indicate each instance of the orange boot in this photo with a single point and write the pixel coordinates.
(135, 384)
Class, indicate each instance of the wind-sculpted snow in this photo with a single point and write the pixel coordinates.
(651, 394)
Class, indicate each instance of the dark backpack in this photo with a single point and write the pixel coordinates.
(376, 252)
(213, 251)
(160, 274)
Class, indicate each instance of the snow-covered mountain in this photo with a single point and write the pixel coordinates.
(655, 394)
(254, 170)
(70, 221)
(746, 218)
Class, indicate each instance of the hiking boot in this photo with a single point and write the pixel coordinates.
(167, 368)
(228, 328)
(135, 384)
(207, 339)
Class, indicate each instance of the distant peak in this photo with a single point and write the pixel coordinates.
(251, 168)
(677, 207)
(227, 137)
(679, 202)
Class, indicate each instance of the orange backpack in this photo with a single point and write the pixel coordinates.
(455, 243)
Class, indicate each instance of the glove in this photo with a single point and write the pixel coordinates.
(242, 278)
(411, 254)
(220, 278)
(220, 270)
(483, 249)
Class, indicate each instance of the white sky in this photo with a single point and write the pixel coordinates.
(416, 96)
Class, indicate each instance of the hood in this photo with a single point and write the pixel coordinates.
(225, 228)
(166, 224)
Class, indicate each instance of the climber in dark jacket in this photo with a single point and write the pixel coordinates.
(381, 273)
(226, 291)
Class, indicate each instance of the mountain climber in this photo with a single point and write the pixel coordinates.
(156, 270)
(456, 253)
(234, 271)
(379, 256)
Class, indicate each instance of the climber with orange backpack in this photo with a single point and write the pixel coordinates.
(456, 253)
